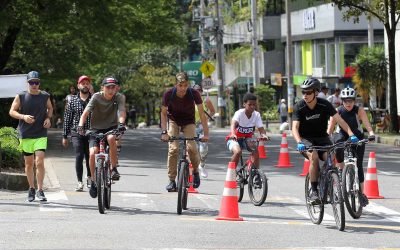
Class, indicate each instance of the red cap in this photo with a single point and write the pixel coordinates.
(83, 78)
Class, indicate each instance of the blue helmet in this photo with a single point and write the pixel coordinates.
(33, 75)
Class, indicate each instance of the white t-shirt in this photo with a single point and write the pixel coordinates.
(335, 100)
(247, 125)
(321, 95)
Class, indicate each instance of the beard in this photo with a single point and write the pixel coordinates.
(84, 90)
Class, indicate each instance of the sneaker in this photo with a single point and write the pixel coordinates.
(41, 196)
(31, 194)
(171, 187)
(314, 198)
(93, 190)
(88, 181)
(196, 179)
(203, 171)
(363, 200)
(79, 187)
(114, 174)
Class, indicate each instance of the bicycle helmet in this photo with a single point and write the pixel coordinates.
(348, 93)
(310, 84)
(33, 75)
(109, 81)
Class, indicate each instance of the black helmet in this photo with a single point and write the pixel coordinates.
(33, 75)
(310, 84)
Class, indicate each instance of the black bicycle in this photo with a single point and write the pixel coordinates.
(350, 181)
(184, 181)
(103, 170)
(248, 174)
(329, 189)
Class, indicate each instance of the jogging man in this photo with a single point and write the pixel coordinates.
(104, 107)
(310, 124)
(178, 105)
(33, 109)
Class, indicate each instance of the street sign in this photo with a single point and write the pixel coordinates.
(207, 83)
(207, 68)
(193, 70)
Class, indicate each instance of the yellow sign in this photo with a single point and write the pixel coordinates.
(207, 68)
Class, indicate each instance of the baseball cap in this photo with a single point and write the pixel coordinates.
(109, 81)
(33, 75)
(83, 78)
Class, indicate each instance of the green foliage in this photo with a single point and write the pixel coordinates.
(265, 96)
(11, 157)
(371, 64)
(239, 10)
(239, 53)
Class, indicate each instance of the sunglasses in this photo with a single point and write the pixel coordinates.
(307, 92)
(110, 86)
(34, 83)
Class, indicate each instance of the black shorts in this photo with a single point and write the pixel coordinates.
(93, 142)
(316, 141)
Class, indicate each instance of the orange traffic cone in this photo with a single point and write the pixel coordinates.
(191, 188)
(371, 188)
(262, 152)
(306, 167)
(229, 204)
(284, 159)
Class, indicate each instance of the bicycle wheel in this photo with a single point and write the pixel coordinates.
(258, 187)
(185, 191)
(181, 187)
(240, 181)
(336, 199)
(316, 211)
(100, 185)
(107, 189)
(351, 191)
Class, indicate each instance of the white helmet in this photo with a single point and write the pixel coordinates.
(348, 93)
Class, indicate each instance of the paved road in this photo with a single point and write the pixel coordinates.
(143, 215)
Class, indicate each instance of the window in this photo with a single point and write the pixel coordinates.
(320, 55)
(331, 59)
(298, 58)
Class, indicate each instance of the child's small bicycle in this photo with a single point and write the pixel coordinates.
(248, 174)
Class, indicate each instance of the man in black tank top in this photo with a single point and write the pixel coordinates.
(310, 123)
(33, 109)
(354, 116)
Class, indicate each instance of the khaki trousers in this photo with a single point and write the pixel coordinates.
(173, 148)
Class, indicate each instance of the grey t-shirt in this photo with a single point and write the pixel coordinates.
(36, 106)
(105, 112)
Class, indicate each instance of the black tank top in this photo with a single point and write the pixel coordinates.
(352, 119)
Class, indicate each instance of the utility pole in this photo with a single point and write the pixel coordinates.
(202, 39)
(289, 74)
(256, 75)
(220, 122)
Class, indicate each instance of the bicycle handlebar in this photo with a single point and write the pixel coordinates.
(101, 136)
(182, 138)
(253, 138)
(337, 145)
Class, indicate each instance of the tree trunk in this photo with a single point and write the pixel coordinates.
(394, 124)
(7, 47)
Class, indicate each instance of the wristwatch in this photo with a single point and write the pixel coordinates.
(164, 132)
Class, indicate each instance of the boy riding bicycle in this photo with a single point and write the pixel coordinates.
(243, 125)
(310, 123)
(104, 107)
(354, 116)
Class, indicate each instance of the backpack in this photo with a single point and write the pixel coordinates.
(172, 96)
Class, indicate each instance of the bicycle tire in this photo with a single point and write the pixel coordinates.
(316, 212)
(185, 191)
(181, 187)
(336, 199)
(257, 193)
(240, 181)
(107, 189)
(351, 191)
(100, 185)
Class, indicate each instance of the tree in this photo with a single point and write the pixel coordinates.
(387, 12)
(371, 74)
(265, 97)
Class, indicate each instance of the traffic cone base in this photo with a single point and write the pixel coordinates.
(229, 203)
(306, 167)
(371, 187)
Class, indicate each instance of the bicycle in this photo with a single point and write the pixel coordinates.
(184, 181)
(350, 181)
(103, 170)
(248, 174)
(329, 189)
